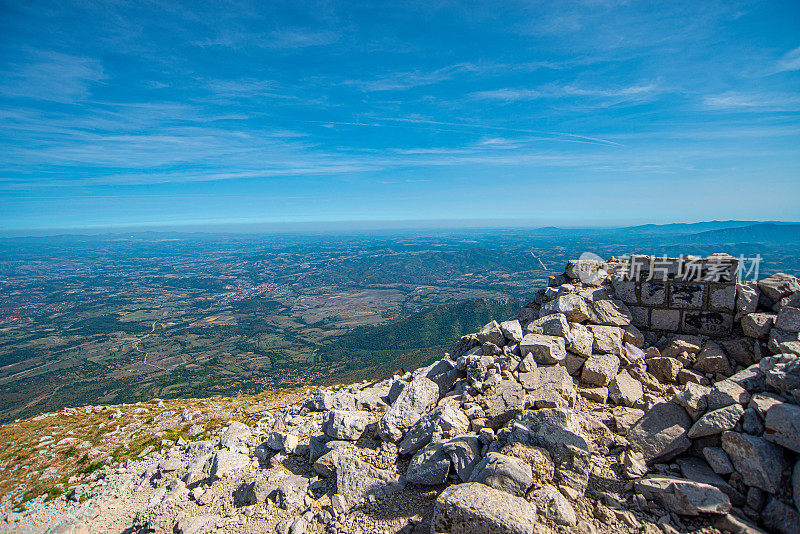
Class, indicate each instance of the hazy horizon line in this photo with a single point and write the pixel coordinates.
(351, 225)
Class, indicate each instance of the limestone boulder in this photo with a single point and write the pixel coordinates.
(760, 462)
(549, 387)
(758, 325)
(185, 524)
(681, 344)
(712, 359)
(746, 298)
(568, 450)
(290, 491)
(554, 506)
(664, 368)
(505, 473)
(357, 480)
(345, 425)
(546, 350)
(512, 330)
(779, 285)
(780, 518)
(661, 433)
(555, 324)
(505, 403)
(571, 305)
(788, 319)
(718, 460)
(633, 464)
(283, 441)
(782, 425)
(625, 390)
(724, 393)
(234, 436)
(685, 497)
(443, 422)
(430, 466)
(600, 369)
(492, 333)
(415, 399)
(464, 453)
(321, 400)
(633, 336)
(625, 418)
(740, 350)
(717, 421)
(781, 372)
(610, 312)
(581, 340)
(607, 339)
(226, 463)
(587, 271)
(796, 484)
(475, 508)
(694, 399)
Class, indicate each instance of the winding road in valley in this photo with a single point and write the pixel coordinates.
(138, 348)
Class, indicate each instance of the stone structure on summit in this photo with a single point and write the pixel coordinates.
(690, 295)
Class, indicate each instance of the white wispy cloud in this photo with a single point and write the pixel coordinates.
(247, 86)
(740, 101)
(507, 94)
(149, 143)
(402, 80)
(629, 93)
(493, 127)
(397, 81)
(130, 138)
(297, 38)
(473, 129)
(789, 62)
(621, 26)
(53, 76)
(286, 38)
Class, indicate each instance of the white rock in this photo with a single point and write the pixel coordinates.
(226, 463)
(546, 350)
(684, 496)
(512, 330)
(555, 506)
(282, 441)
(416, 398)
(599, 370)
(345, 425)
(475, 508)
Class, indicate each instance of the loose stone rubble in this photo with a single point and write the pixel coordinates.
(566, 418)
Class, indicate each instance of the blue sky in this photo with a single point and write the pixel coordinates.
(120, 113)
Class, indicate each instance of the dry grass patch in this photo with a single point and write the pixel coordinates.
(48, 454)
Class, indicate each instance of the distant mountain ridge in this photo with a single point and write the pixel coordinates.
(755, 233)
(690, 228)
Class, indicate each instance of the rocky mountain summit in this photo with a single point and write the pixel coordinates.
(567, 418)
